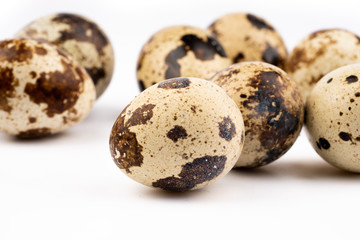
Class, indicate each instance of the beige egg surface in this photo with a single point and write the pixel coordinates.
(178, 135)
(42, 90)
(246, 37)
(271, 107)
(80, 38)
(318, 54)
(179, 51)
(332, 118)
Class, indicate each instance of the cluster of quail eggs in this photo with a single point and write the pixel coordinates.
(51, 73)
(230, 97)
(214, 99)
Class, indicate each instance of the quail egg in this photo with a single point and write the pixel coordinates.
(246, 37)
(179, 51)
(332, 117)
(42, 90)
(318, 54)
(81, 39)
(270, 105)
(180, 134)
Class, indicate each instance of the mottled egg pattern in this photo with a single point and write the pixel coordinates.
(81, 39)
(318, 54)
(332, 117)
(42, 90)
(179, 51)
(270, 105)
(178, 135)
(246, 37)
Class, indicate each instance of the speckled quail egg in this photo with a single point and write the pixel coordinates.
(332, 117)
(180, 134)
(80, 38)
(318, 54)
(246, 37)
(42, 90)
(179, 51)
(271, 106)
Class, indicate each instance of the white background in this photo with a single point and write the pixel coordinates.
(67, 186)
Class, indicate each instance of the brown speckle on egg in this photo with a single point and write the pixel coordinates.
(179, 51)
(39, 87)
(318, 54)
(332, 125)
(81, 39)
(271, 107)
(176, 146)
(246, 37)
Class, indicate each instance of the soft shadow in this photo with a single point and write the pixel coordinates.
(300, 169)
(161, 194)
(47, 138)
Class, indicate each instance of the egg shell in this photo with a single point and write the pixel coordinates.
(318, 54)
(179, 51)
(271, 107)
(246, 37)
(178, 135)
(332, 117)
(80, 38)
(42, 90)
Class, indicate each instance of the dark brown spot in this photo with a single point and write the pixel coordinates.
(125, 149)
(176, 133)
(175, 83)
(345, 136)
(173, 67)
(141, 115)
(33, 74)
(40, 51)
(352, 100)
(243, 96)
(272, 56)
(15, 50)
(193, 108)
(341, 113)
(202, 50)
(357, 94)
(34, 133)
(32, 119)
(227, 129)
(141, 85)
(357, 138)
(96, 73)
(280, 120)
(59, 90)
(8, 82)
(258, 22)
(329, 81)
(352, 79)
(193, 173)
(323, 144)
(81, 30)
(238, 58)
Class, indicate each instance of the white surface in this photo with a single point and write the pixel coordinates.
(67, 186)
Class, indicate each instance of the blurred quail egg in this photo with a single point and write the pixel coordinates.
(179, 51)
(180, 134)
(246, 37)
(42, 90)
(270, 105)
(332, 117)
(81, 39)
(318, 54)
